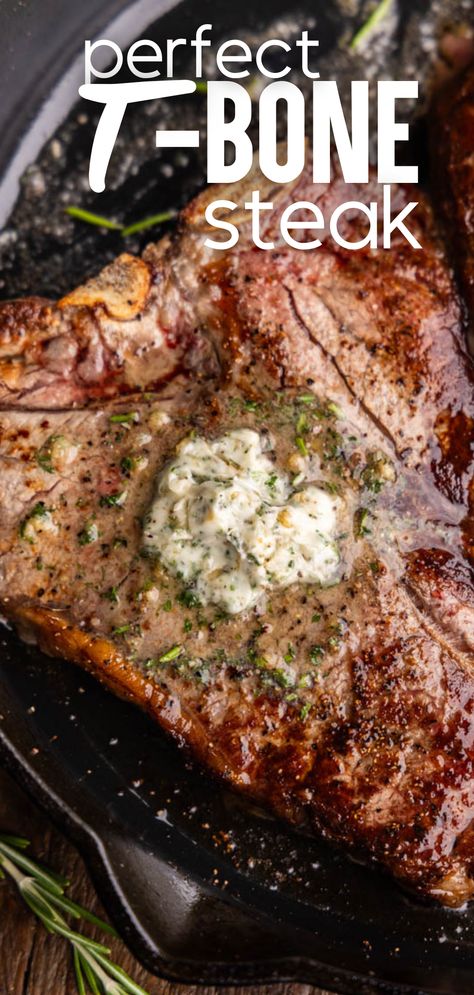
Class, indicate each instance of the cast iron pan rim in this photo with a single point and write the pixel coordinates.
(304, 970)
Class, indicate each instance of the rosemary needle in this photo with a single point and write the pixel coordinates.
(375, 18)
(100, 222)
(92, 219)
(155, 219)
(43, 893)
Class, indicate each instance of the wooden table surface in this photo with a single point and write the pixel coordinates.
(34, 963)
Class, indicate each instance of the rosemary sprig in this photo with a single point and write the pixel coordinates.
(43, 893)
(370, 24)
(100, 222)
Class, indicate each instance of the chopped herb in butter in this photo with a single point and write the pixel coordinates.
(38, 520)
(229, 524)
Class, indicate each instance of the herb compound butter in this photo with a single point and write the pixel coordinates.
(225, 521)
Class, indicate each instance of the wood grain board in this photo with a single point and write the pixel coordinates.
(34, 963)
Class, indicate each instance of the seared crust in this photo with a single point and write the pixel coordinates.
(127, 329)
(372, 742)
(58, 637)
(121, 288)
(453, 132)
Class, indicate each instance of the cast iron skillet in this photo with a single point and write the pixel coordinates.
(203, 888)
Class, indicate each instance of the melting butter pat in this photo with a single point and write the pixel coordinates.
(227, 522)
